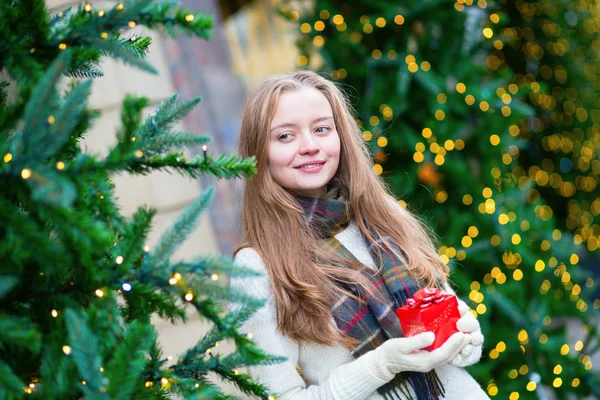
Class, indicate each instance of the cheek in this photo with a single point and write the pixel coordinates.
(334, 147)
(280, 156)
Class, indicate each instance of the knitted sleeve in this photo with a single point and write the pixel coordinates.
(355, 380)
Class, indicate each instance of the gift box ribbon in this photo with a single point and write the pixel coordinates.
(426, 297)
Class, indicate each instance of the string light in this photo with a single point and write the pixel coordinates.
(54, 313)
(399, 19)
(338, 19)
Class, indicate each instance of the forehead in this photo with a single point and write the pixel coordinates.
(300, 105)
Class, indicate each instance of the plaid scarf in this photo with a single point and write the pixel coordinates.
(369, 321)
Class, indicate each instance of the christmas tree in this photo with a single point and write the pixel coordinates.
(468, 137)
(78, 285)
(552, 47)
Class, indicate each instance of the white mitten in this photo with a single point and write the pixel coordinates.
(406, 354)
(468, 324)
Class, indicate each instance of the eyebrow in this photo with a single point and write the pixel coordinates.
(291, 125)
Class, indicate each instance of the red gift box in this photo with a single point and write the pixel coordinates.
(430, 310)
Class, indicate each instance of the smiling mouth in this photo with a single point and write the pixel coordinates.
(310, 166)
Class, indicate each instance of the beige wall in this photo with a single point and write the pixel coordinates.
(262, 43)
(168, 193)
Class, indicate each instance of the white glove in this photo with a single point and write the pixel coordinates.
(406, 354)
(468, 324)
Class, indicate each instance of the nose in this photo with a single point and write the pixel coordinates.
(308, 145)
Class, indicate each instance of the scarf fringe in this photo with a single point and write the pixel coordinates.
(425, 386)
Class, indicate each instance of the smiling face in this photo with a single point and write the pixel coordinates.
(304, 146)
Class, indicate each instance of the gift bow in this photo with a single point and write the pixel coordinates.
(426, 297)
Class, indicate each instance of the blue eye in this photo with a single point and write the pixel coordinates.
(322, 127)
(282, 136)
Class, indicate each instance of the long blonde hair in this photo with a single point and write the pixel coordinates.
(303, 275)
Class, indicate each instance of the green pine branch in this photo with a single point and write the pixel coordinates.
(44, 96)
(127, 364)
(131, 247)
(209, 265)
(127, 50)
(183, 226)
(78, 282)
(85, 355)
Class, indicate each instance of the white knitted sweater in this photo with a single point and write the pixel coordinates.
(331, 372)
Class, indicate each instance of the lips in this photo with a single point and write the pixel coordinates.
(310, 164)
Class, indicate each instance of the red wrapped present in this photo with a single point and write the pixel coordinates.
(430, 310)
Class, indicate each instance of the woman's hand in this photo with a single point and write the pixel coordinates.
(407, 354)
(469, 325)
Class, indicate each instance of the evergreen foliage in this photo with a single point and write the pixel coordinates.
(78, 287)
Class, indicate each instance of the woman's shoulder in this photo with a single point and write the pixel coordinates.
(249, 257)
(258, 286)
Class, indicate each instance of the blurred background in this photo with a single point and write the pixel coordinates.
(482, 116)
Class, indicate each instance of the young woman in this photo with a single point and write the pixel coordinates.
(338, 255)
